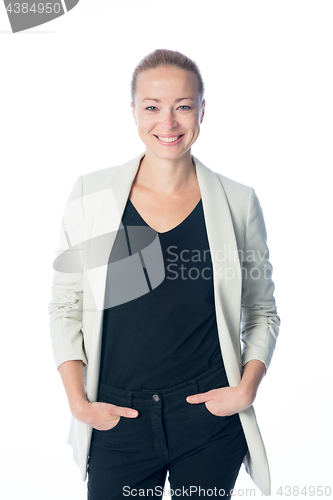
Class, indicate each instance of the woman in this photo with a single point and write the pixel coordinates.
(157, 258)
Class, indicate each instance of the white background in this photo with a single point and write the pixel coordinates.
(65, 111)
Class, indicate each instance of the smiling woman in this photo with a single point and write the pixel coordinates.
(163, 381)
(168, 110)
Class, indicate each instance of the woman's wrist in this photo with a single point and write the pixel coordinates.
(253, 372)
(247, 392)
(80, 409)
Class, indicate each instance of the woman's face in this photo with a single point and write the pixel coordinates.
(168, 111)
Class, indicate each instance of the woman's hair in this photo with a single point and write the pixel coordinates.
(164, 57)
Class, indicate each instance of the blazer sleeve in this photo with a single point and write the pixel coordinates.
(66, 307)
(260, 322)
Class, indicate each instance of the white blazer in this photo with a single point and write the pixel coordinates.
(246, 314)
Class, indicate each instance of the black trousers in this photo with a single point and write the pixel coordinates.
(200, 450)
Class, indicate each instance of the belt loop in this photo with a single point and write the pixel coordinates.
(129, 399)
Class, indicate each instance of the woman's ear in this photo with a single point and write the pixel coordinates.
(133, 111)
(202, 111)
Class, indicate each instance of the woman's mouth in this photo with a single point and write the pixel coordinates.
(169, 140)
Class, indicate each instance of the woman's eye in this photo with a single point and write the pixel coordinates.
(182, 107)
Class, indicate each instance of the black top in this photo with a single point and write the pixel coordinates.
(168, 335)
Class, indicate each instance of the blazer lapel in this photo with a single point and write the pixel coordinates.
(108, 212)
(222, 241)
(226, 268)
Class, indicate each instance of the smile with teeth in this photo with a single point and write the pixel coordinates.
(169, 139)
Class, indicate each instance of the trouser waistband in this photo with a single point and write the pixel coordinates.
(212, 378)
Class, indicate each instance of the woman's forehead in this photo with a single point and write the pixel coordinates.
(167, 79)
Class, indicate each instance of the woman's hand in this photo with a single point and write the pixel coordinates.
(224, 401)
(102, 416)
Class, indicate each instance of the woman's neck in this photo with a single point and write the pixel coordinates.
(166, 177)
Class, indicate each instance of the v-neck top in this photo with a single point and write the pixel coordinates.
(168, 335)
(132, 207)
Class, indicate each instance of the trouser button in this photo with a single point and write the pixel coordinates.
(156, 397)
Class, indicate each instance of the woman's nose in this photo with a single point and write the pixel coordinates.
(168, 120)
